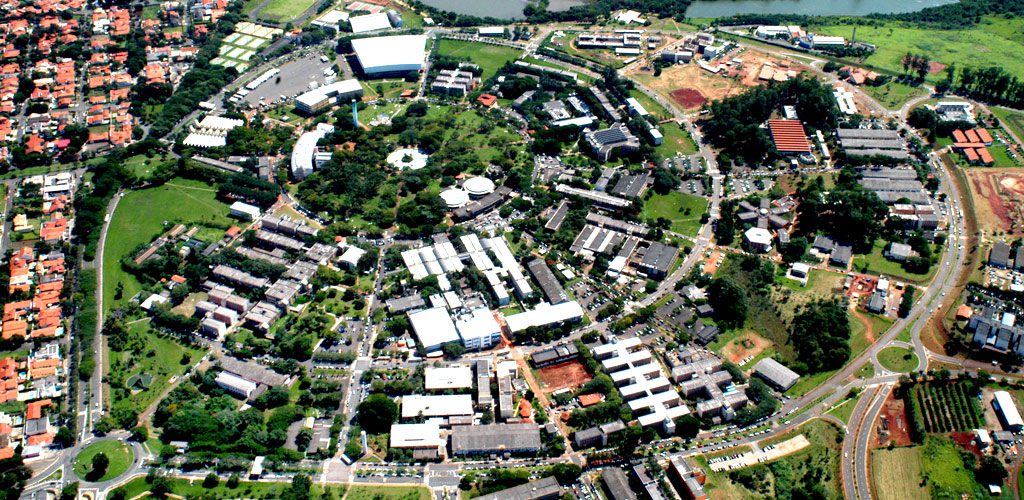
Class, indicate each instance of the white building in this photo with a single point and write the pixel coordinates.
(1004, 404)
(448, 377)
(350, 258)
(235, 385)
(425, 436)
(478, 329)
(758, 239)
(245, 211)
(433, 328)
(545, 315)
(390, 54)
(305, 150)
(416, 406)
(369, 22)
(325, 96)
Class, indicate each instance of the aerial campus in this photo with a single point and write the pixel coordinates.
(581, 249)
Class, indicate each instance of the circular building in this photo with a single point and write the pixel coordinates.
(455, 197)
(478, 186)
(408, 158)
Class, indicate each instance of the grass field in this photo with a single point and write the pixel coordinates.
(284, 11)
(898, 359)
(893, 94)
(877, 264)
(945, 472)
(245, 489)
(489, 57)
(896, 474)
(676, 140)
(143, 215)
(118, 453)
(993, 42)
(1013, 120)
(384, 492)
(844, 410)
(161, 361)
(684, 210)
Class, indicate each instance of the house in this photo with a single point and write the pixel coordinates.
(899, 252)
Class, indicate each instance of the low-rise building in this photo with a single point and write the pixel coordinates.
(776, 374)
(522, 438)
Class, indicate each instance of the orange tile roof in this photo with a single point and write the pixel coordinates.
(6, 452)
(985, 156)
(984, 136)
(590, 399)
(971, 154)
(487, 100)
(34, 409)
(958, 136)
(789, 136)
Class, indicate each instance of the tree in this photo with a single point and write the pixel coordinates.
(100, 462)
(140, 433)
(299, 490)
(453, 350)
(730, 303)
(160, 486)
(233, 481)
(376, 413)
(991, 471)
(70, 492)
(566, 474)
(687, 427)
(211, 481)
(821, 335)
(65, 437)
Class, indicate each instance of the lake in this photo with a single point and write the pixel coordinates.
(513, 9)
(502, 9)
(728, 8)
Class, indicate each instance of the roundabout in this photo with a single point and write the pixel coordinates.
(118, 460)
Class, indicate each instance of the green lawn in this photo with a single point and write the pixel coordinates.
(684, 210)
(142, 166)
(878, 264)
(118, 453)
(143, 215)
(676, 140)
(384, 492)
(284, 11)
(945, 471)
(844, 409)
(898, 359)
(489, 57)
(993, 42)
(893, 94)
(161, 360)
(245, 489)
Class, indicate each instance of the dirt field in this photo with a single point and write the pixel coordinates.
(745, 346)
(999, 198)
(711, 263)
(691, 86)
(966, 441)
(563, 376)
(894, 412)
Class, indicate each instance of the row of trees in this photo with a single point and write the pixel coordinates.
(992, 84)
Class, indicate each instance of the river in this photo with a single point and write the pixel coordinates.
(513, 9)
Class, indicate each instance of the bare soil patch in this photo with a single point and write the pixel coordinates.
(892, 423)
(747, 345)
(568, 375)
(688, 98)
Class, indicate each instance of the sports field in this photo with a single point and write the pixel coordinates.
(489, 57)
(993, 42)
(284, 11)
(684, 210)
(143, 215)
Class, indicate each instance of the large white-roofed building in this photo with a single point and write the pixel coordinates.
(324, 97)
(433, 328)
(369, 22)
(390, 54)
(235, 384)
(1003, 403)
(545, 315)
(305, 150)
(415, 406)
(448, 377)
(425, 437)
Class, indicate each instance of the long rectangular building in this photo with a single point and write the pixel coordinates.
(521, 438)
(549, 284)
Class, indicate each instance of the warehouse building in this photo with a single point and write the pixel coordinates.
(442, 406)
(235, 385)
(448, 377)
(789, 137)
(1007, 409)
(322, 98)
(549, 284)
(658, 260)
(513, 439)
(245, 211)
(541, 489)
(390, 54)
(776, 374)
(433, 328)
(545, 315)
(424, 439)
(555, 355)
(616, 484)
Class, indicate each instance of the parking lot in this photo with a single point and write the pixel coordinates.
(766, 454)
(295, 78)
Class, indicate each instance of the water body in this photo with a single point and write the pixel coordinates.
(513, 9)
(728, 8)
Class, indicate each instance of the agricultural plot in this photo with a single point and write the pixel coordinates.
(942, 408)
